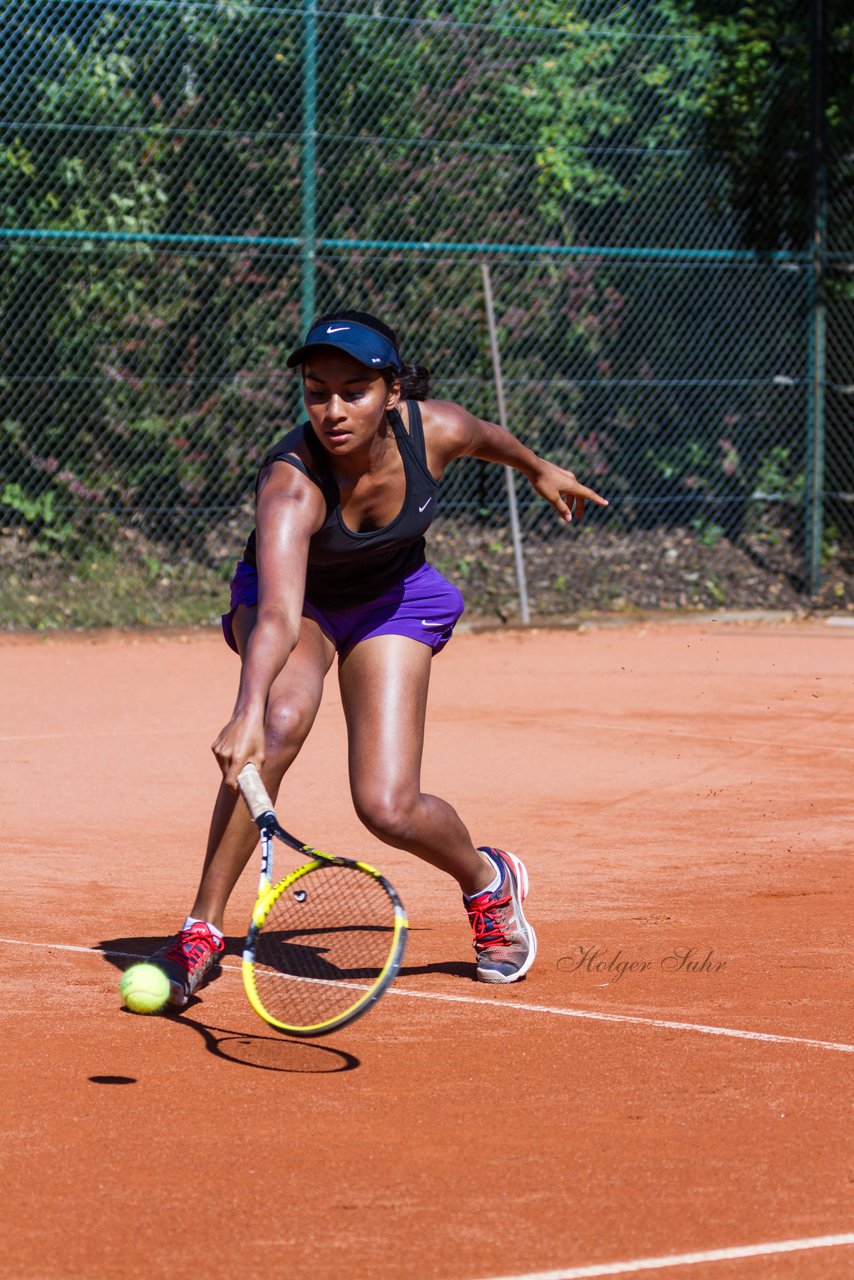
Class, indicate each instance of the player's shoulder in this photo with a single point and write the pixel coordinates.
(294, 443)
(294, 454)
(449, 430)
(288, 470)
(445, 418)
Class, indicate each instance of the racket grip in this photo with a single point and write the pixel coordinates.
(253, 791)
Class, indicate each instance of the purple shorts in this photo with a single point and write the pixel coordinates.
(424, 606)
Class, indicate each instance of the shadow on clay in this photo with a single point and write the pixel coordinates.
(266, 1052)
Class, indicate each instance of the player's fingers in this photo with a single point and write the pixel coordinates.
(227, 763)
(590, 495)
(236, 763)
(255, 756)
(231, 770)
(229, 774)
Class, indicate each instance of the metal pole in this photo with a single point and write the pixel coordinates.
(508, 471)
(817, 376)
(308, 164)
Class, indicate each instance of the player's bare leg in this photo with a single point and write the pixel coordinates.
(291, 709)
(384, 683)
(192, 956)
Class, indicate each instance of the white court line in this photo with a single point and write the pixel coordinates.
(686, 1259)
(632, 1266)
(561, 1012)
(553, 1010)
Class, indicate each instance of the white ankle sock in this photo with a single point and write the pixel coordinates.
(191, 920)
(491, 887)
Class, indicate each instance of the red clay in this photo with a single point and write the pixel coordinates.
(670, 787)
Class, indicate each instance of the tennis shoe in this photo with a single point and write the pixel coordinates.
(188, 960)
(504, 942)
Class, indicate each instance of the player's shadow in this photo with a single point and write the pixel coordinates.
(456, 968)
(268, 1052)
(122, 952)
(296, 955)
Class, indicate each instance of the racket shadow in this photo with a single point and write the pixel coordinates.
(270, 1052)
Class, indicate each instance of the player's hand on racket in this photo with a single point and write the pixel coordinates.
(563, 491)
(242, 739)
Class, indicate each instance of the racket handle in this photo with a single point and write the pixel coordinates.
(254, 792)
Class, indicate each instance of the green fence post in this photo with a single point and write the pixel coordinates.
(817, 380)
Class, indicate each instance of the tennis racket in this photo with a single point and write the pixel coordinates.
(326, 941)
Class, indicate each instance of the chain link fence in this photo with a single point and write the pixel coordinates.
(184, 184)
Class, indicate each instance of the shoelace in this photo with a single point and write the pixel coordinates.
(190, 950)
(487, 929)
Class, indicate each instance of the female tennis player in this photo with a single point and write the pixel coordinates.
(336, 564)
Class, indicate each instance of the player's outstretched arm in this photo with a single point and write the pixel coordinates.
(290, 510)
(453, 432)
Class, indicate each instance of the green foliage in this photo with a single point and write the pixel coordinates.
(47, 527)
(758, 111)
(596, 94)
(141, 379)
(108, 588)
(708, 535)
(777, 476)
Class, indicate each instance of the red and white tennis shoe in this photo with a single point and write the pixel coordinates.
(504, 943)
(188, 959)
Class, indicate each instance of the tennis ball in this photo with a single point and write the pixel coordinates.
(144, 988)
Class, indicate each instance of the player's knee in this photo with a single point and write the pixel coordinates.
(388, 815)
(286, 726)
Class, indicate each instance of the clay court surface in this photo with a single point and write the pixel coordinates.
(672, 787)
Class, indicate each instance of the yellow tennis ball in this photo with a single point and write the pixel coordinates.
(144, 988)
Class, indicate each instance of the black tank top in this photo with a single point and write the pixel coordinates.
(345, 567)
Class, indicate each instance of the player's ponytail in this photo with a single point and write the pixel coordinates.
(414, 382)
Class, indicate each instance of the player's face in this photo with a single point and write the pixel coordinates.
(346, 401)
